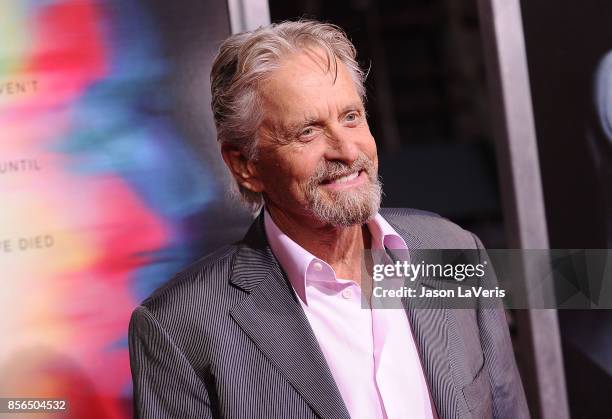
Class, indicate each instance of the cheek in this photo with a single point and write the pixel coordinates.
(368, 143)
(285, 172)
(301, 171)
(369, 147)
(372, 147)
(302, 162)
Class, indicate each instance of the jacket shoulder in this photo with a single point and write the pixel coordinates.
(428, 230)
(196, 285)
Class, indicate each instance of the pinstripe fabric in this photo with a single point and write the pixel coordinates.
(227, 338)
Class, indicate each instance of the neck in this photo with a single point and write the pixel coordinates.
(341, 247)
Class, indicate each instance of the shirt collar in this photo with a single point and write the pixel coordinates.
(302, 266)
(383, 235)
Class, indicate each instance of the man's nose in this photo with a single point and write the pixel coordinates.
(341, 146)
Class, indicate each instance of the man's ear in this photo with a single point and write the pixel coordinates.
(243, 169)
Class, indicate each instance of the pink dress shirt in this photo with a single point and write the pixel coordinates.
(371, 353)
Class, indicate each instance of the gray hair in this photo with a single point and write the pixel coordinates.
(246, 59)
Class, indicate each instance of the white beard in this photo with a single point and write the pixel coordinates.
(344, 208)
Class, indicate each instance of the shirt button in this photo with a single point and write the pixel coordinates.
(317, 266)
(347, 293)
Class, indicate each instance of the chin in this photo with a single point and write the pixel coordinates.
(345, 214)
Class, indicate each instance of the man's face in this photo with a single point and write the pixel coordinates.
(316, 156)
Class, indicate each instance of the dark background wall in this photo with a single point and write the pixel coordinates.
(566, 40)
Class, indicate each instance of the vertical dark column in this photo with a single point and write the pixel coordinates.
(539, 353)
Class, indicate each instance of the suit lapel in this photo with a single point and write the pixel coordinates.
(274, 320)
(430, 331)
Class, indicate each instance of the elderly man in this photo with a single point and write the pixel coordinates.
(273, 326)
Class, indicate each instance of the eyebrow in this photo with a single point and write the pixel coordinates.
(304, 123)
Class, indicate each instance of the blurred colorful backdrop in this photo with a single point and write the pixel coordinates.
(109, 183)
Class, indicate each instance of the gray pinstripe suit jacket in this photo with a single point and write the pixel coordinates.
(227, 338)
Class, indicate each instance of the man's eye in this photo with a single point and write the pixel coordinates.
(307, 132)
(352, 117)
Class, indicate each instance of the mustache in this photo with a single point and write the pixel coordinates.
(329, 171)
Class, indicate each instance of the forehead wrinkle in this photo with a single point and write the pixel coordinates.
(323, 58)
(325, 61)
(304, 112)
(295, 67)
